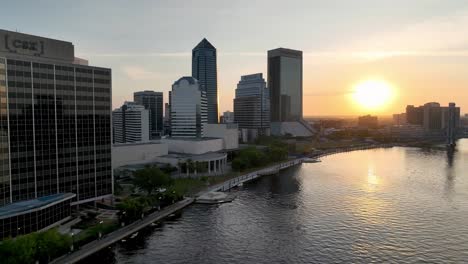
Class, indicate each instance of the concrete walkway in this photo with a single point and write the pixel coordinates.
(121, 233)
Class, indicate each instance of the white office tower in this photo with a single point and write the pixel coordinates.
(130, 123)
(188, 109)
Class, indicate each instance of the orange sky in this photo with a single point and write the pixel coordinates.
(419, 46)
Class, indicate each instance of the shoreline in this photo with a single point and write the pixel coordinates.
(114, 237)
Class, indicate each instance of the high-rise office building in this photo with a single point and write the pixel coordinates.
(432, 116)
(285, 84)
(252, 106)
(153, 101)
(414, 115)
(204, 69)
(131, 123)
(55, 122)
(167, 115)
(188, 108)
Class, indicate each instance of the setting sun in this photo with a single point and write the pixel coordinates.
(372, 94)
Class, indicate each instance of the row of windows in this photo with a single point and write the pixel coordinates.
(31, 222)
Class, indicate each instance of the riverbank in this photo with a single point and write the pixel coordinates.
(121, 233)
(225, 185)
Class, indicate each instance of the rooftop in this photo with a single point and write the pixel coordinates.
(204, 44)
(196, 157)
(189, 79)
(33, 205)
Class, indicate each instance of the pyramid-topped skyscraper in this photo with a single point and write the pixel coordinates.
(204, 69)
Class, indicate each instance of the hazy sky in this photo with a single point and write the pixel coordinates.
(420, 47)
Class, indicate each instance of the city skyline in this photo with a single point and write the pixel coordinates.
(341, 48)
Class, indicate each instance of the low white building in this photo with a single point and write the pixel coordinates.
(228, 132)
(137, 153)
(195, 146)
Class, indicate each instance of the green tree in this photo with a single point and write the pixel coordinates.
(151, 178)
(131, 208)
(51, 244)
(277, 153)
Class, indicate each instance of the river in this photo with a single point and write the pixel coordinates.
(384, 205)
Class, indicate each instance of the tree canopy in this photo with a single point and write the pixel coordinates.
(150, 179)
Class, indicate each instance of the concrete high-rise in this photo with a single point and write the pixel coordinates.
(204, 69)
(252, 106)
(55, 122)
(153, 102)
(131, 123)
(285, 84)
(188, 108)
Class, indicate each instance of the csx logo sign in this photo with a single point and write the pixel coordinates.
(23, 46)
(27, 45)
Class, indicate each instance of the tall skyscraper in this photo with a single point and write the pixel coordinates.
(285, 84)
(252, 106)
(55, 122)
(130, 123)
(204, 69)
(153, 101)
(188, 108)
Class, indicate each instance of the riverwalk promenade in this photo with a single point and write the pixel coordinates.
(121, 233)
(126, 231)
(228, 184)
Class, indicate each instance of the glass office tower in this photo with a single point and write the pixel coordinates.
(204, 69)
(285, 84)
(55, 132)
(153, 102)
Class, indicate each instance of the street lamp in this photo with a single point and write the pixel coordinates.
(100, 226)
(123, 217)
(72, 247)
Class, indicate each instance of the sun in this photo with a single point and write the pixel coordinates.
(373, 94)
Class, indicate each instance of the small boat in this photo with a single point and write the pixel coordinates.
(215, 198)
(123, 240)
(134, 235)
(240, 184)
(310, 160)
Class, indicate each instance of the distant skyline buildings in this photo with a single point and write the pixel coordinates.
(153, 102)
(433, 117)
(204, 69)
(285, 84)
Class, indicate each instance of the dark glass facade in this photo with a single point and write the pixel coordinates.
(285, 84)
(153, 102)
(5, 191)
(34, 221)
(55, 132)
(60, 130)
(204, 69)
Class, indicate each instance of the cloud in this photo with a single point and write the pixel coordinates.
(437, 36)
(139, 73)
